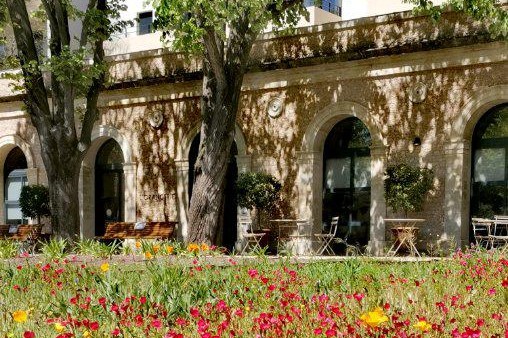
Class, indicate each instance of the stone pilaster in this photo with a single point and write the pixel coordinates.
(456, 189)
(377, 240)
(182, 193)
(129, 172)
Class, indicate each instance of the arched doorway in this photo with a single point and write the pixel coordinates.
(347, 179)
(489, 176)
(228, 231)
(109, 186)
(15, 177)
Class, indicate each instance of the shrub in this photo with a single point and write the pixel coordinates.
(34, 201)
(406, 186)
(257, 190)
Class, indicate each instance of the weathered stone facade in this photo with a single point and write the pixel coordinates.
(365, 68)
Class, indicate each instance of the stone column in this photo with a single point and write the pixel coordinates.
(310, 201)
(2, 196)
(244, 164)
(456, 189)
(32, 176)
(86, 202)
(182, 197)
(129, 173)
(377, 200)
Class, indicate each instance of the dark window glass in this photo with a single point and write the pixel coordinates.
(14, 179)
(145, 21)
(346, 179)
(489, 194)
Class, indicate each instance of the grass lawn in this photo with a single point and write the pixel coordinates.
(466, 296)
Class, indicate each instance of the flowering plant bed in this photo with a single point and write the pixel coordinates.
(461, 297)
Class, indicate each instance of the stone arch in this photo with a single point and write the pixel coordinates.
(316, 133)
(100, 134)
(310, 169)
(7, 143)
(458, 161)
(185, 143)
(182, 174)
(478, 104)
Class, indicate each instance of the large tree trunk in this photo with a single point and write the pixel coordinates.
(63, 194)
(219, 109)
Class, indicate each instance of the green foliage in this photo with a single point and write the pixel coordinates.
(488, 11)
(188, 21)
(406, 186)
(34, 201)
(91, 247)
(257, 190)
(8, 248)
(55, 248)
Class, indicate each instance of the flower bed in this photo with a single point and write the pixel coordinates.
(462, 297)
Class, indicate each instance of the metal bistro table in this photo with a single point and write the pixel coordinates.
(287, 229)
(405, 232)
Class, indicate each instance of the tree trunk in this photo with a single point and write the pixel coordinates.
(219, 105)
(62, 162)
(65, 205)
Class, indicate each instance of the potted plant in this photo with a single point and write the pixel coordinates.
(258, 191)
(407, 186)
(34, 202)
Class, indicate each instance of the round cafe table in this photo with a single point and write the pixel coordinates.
(405, 232)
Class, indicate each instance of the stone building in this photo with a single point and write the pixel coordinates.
(324, 110)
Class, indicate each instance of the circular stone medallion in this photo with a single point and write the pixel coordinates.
(275, 107)
(155, 118)
(418, 92)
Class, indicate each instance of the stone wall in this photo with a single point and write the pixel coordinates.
(322, 75)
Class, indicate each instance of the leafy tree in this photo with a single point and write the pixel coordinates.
(406, 186)
(75, 70)
(257, 190)
(223, 32)
(482, 10)
(34, 202)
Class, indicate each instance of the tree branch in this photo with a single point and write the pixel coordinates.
(37, 97)
(215, 56)
(92, 96)
(86, 23)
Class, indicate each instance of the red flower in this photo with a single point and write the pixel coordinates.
(156, 323)
(28, 334)
(115, 332)
(142, 300)
(94, 326)
(358, 296)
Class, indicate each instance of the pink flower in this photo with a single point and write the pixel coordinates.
(28, 334)
(156, 323)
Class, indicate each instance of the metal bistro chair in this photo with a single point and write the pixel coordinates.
(481, 231)
(499, 235)
(253, 240)
(326, 238)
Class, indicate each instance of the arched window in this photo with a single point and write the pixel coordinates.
(14, 179)
(109, 185)
(489, 195)
(346, 179)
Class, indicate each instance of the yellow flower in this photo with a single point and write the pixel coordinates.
(20, 316)
(59, 327)
(87, 334)
(138, 244)
(156, 248)
(104, 267)
(204, 247)
(374, 318)
(423, 326)
(193, 247)
(148, 255)
(169, 250)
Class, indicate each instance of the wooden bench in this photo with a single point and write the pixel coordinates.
(152, 230)
(24, 233)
